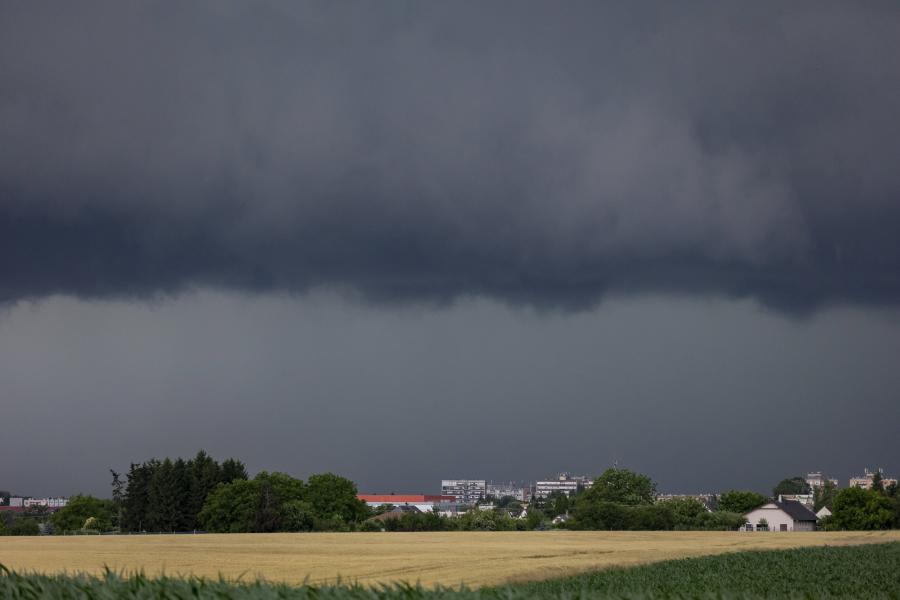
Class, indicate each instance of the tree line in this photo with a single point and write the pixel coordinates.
(168, 495)
(202, 494)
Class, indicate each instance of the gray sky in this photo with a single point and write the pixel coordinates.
(701, 394)
(411, 240)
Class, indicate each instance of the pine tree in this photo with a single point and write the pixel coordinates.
(232, 470)
(136, 499)
(205, 476)
(163, 510)
(878, 482)
(184, 519)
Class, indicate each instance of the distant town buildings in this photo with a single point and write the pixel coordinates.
(51, 503)
(465, 491)
(503, 490)
(865, 481)
(816, 479)
(22, 505)
(564, 483)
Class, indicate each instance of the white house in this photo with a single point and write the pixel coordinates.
(781, 516)
(823, 512)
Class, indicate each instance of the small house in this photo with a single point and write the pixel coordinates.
(787, 515)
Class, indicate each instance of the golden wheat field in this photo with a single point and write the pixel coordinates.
(472, 558)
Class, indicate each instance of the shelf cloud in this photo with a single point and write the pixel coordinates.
(532, 153)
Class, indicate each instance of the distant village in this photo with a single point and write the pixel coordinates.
(786, 512)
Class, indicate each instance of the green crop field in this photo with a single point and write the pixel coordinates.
(867, 571)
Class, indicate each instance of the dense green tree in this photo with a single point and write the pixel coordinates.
(72, 516)
(592, 514)
(183, 518)
(823, 496)
(168, 495)
(232, 470)
(23, 526)
(136, 500)
(4, 498)
(891, 491)
(118, 497)
(790, 486)
(877, 482)
(737, 501)
(895, 508)
(678, 514)
(687, 513)
(505, 501)
(858, 509)
(231, 508)
(721, 521)
(331, 495)
(620, 486)
(205, 476)
(268, 502)
(297, 515)
(534, 518)
(165, 504)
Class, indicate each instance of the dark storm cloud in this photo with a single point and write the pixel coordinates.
(539, 153)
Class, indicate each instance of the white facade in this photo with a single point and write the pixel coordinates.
(823, 512)
(564, 483)
(30, 502)
(776, 519)
(48, 502)
(501, 490)
(816, 479)
(466, 491)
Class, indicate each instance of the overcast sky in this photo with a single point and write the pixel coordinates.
(412, 240)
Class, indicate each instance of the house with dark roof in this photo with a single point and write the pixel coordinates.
(785, 515)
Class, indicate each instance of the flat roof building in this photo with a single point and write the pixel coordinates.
(465, 491)
(564, 483)
(865, 481)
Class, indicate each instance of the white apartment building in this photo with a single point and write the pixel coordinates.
(564, 483)
(29, 502)
(466, 491)
(501, 490)
(816, 479)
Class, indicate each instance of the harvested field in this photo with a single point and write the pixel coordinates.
(430, 558)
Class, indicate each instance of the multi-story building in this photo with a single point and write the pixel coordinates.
(501, 490)
(564, 483)
(865, 481)
(465, 491)
(50, 503)
(816, 479)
